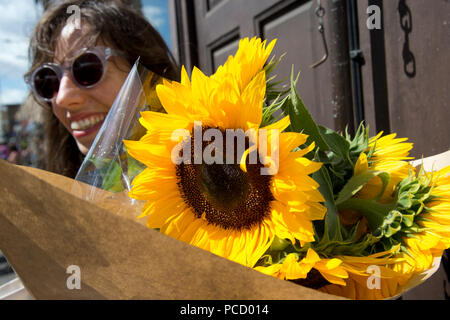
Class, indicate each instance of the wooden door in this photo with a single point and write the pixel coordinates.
(407, 74)
(403, 86)
(219, 24)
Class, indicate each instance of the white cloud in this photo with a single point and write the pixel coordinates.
(13, 96)
(155, 15)
(17, 20)
(13, 57)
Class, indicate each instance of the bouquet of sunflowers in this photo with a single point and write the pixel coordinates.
(238, 167)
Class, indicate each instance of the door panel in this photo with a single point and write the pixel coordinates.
(418, 72)
(295, 31)
(220, 24)
(407, 75)
(223, 23)
(405, 78)
(223, 47)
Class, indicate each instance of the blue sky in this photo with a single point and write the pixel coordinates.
(17, 20)
(157, 12)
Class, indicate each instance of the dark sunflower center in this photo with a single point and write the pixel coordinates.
(224, 186)
(313, 280)
(223, 194)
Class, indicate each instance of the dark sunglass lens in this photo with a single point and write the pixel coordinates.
(87, 69)
(46, 82)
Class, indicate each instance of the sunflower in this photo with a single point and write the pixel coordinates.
(433, 233)
(416, 237)
(436, 215)
(247, 62)
(230, 208)
(369, 278)
(360, 285)
(310, 271)
(387, 154)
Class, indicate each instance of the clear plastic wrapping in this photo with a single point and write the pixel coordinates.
(107, 165)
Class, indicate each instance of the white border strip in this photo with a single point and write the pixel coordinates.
(14, 290)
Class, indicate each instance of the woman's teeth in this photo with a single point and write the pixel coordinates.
(86, 123)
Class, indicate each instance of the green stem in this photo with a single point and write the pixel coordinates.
(374, 212)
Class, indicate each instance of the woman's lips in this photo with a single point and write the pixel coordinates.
(87, 125)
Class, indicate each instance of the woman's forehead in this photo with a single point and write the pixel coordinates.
(70, 40)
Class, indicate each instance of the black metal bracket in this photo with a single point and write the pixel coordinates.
(357, 55)
(356, 61)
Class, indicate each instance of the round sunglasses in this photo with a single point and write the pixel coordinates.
(87, 69)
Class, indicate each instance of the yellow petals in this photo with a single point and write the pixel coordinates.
(389, 148)
(361, 165)
(180, 196)
(280, 125)
(252, 98)
(292, 268)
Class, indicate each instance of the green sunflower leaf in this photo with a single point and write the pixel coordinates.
(301, 119)
(357, 182)
(337, 143)
(270, 110)
(332, 230)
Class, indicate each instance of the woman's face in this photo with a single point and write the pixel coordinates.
(80, 110)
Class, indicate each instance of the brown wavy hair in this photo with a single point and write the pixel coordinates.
(111, 22)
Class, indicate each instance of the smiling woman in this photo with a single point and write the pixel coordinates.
(78, 69)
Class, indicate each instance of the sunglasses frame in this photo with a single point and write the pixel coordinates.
(103, 53)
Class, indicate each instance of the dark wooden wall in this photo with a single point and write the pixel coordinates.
(405, 74)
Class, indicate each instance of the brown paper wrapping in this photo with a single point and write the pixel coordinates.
(45, 227)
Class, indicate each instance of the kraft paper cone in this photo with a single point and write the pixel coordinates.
(44, 229)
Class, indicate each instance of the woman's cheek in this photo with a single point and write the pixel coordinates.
(60, 113)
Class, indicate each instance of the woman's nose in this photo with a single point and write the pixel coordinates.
(69, 96)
